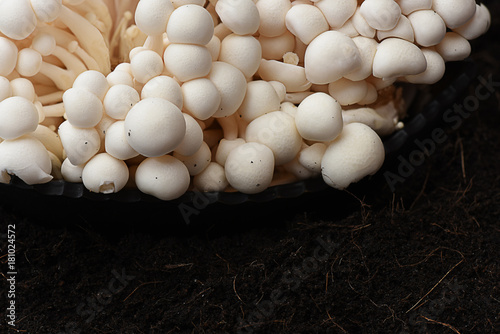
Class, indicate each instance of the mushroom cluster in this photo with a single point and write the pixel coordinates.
(218, 95)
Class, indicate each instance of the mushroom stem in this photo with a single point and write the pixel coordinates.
(229, 126)
(155, 43)
(54, 110)
(51, 98)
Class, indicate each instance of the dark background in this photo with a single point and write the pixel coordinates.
(422, 259)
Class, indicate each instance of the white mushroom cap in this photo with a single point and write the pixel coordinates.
(70, 172)
(190, 24)
(348, 29)
(212, 178)
(273, 48)
(272, 17)
(330, 56)
(381, 14)
(163, 87)
(201, 98)
(24, 88)
(454, 47)
(225, 147)
(297, 170)
(279, 88)
(187, 61)
(93, 81)
(241, 16)
(197, 162)
(356, 153)
(250, 167)
(367, 48)
(292, 76)
(337, 12)
(151, 16)
(348, 92)
(428, 26)
(116, 143)
(5, 88)
(25, 157)
(119, 100)
(310, 157)
(214, 47)
(46, 10)
(306, 22)
(435, 69)
(409, 6)
(120, 78)
(164, 177)
(155, 127)
(103, 126)
(396, 57)
(17, 19)
(18, 116)
(8, 56)
(277, 131)
(44, 43)
(260, 98)
(50, 140)
(371, 95)
(477, 25)
(146, 65)
(319, 118)
(79, 144)
(29, 62)
(403, 30)
(231, 84)
(243, 52)
(455, 13)
(361, 26)
(105, 174)
(193, 138)
(83, 108)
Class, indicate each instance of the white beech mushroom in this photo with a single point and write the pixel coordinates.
(212, 178)
(201, 98)
(105, 174)
(18, 116)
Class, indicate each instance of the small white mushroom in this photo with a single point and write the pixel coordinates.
(79, 144)
(50, 140)
(116, 143)
(46, 10)
(455, 13)
(155, 127)
(348, 29)
(260, 98)
(272, 17)
(231, 84)
(8, 56)
(434, 71)
(241, 16)
(396, 57)
(164, 177)
(310, 157)
(381, 14)
(44, 43)
(337, 12)
(93, 81)
(119, 100)
(17, 19)
(187, 61)
(292, 76)
(330, 56)
(151, 16)
(198, 161)
(214, 47)
(5, 88)
(212, 178)
(83, 108)
(193, 139)
(146, 65)
(454, 47)
(409, 6)
(163, 87)
(297, 170)
(105, 174)
(403, 30)
(29, 62)
(361, 25)
(356, 153)
(27, 158)
(190, 24)
(277, 131)
(348, 92)
(250, 167)
(70, 172)
(306, 22)
(225, 147)
(273, 48)
(477, 25)
(429, 28)
(243, 52)
(319, 118)
(201, 98)
(18, 116)
(24, 88)
(367, 48)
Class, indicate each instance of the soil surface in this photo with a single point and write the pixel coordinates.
(423, 258)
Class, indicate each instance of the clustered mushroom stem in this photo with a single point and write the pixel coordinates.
(229, 127)
(120, 30)
(51, 98)
(54, 110)
(155, 43)
(63, 79)
(86, 58)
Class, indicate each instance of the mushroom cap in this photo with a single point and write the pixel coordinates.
(250, 167)
(360, 24)
(241, 17)
(311, 156)
(319, 117)
(243, 52)
(292, 76)
(70, 172)
(272, 17)
(187, 61)
(403, 30)
(27, 158)
(260, 98)
(155, 127)
(8, 56)
(119, 100)
(5, 88)
(306, 22)
(455, 12)
(190, 24)
(93, 81)
(163, 87)
(79, 144)
(24, 88)
(105, 174)
(214, 47)
(151, 16)
(277, 131)
(434, 71)
(164, 177)
(356, 153)
(225, 147)
(231, 84)
(116, 143)
(477, 25)
(212, 178)
(50, 140)
(17, 19)
(454, 47)
(381, 14)
(18, 116)
(429, 28)
(396, 57)
(201, 98)
(29, 62)
(330, 56)
(46, 10)
(146, 65)
(409, 6)
(337, 12)
(348, 92)
(198, 161)
(367, 48)
(193, 139)
(83, 108)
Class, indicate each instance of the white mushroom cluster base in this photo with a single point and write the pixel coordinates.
(227, 95)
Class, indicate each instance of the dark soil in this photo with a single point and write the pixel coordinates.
(422, 259)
